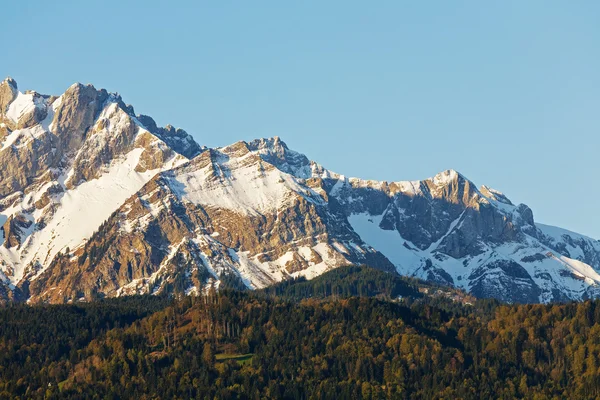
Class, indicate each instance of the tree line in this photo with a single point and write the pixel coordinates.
(356, 334)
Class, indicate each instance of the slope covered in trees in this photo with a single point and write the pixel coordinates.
(275, 344)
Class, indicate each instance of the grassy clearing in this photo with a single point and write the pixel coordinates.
(240, 358)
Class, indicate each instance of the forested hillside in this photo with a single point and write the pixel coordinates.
(347, 334)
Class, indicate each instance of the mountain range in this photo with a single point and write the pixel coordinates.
(98, 201)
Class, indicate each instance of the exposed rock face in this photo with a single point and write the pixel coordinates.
(177, 139)
(451, 232)
(96, 201)
(13, 230)
(8, 93)
(511, 282)
(176, 233)
(256, 213)
(68, 163)
(75, 114)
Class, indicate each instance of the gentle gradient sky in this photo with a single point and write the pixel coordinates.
(506, 92)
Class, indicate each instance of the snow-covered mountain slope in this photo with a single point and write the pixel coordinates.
(445, 229)
(229, 214)
(256, 213)
(97, 201)
(68, 163)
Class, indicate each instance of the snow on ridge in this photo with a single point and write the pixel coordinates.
(579, 247)
(312, 169)
(557, 233)
(266, 177)
(22, 105)
(243, 183)
(257, 274)
(445, 177)
(570, 276)
(274, 151)
(79, 213)
(493, 191)
(410, 187)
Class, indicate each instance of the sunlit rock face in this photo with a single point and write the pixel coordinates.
(96, 201)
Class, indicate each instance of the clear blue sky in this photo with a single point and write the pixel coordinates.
(508, 93)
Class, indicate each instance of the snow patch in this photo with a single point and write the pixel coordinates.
(240, 184)
(22, 105)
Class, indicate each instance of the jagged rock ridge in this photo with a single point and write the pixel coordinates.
(172, 216)
(68, 163)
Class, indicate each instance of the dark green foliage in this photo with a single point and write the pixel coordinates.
(329, 345)
(346, 282)
(231, 281)
(41, 337)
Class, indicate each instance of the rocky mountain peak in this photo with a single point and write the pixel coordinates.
(76, 112)
(178, 139)
(495, 195)
(449, 175)
(10, 85)
(258, 212)
(274, 143)
(9, 81)
(8, 93)
(275, 151)
(70, 161)
(144, 209)
(453, 187)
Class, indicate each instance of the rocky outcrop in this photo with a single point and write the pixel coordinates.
(164, 239)
(8, 93)
(68, 163)
(446, 229)
(258, 213)
(252, 214)
(114, 135)
(570, 244)
(13, 230)
(34, 114)
(510, 282)
(37, 149)
(77, 111)
(23, 164)
(177, 139)
(96, 201)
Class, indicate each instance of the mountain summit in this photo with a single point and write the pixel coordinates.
(96, 201)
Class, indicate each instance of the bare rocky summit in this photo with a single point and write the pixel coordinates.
(97, 201)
